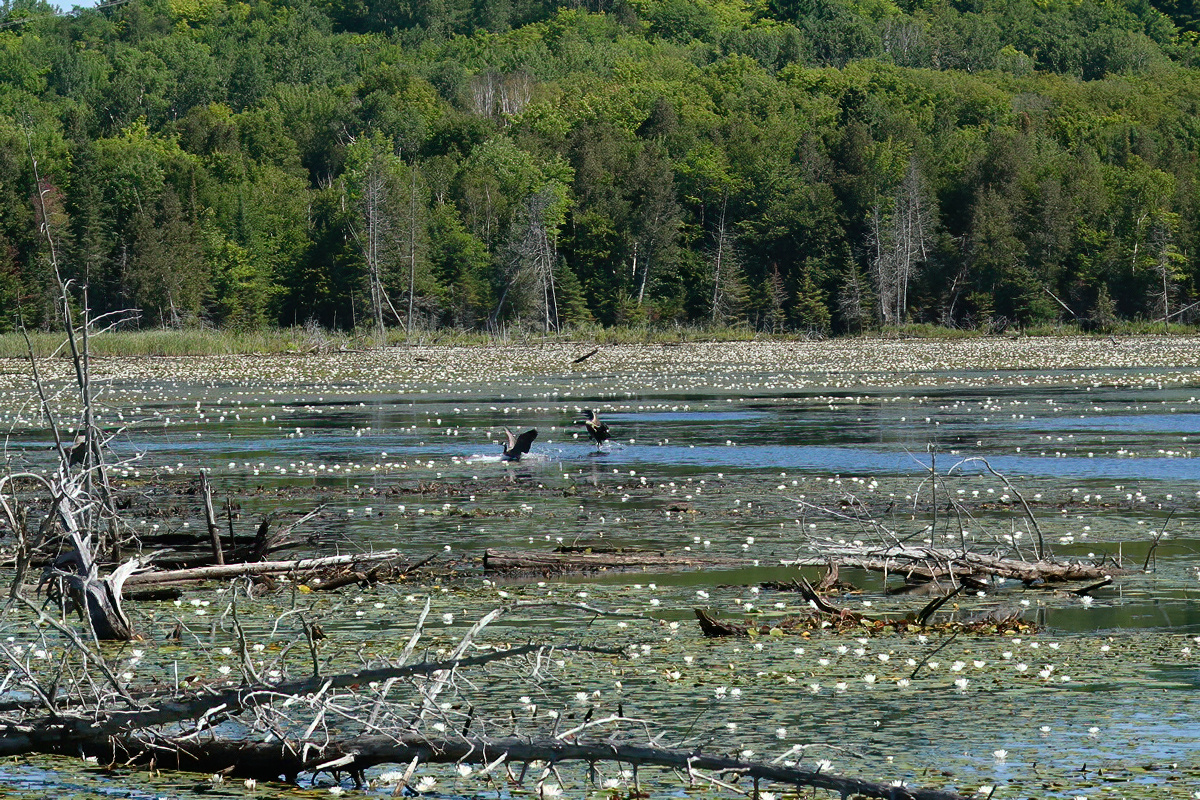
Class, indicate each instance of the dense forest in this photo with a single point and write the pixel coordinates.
(784, 165)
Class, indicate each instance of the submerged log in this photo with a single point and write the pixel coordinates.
(584, 561)
(359, 753)
(714, 628)
(825, 616)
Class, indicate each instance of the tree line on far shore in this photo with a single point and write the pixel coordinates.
(824, 166)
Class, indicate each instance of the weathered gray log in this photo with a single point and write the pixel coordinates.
(531, 561)
(222, 572)
(930, 563)
(919, 563)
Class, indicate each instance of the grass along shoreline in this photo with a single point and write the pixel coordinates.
(308, 340)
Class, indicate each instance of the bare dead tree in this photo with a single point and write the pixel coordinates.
(494, 94)
(374, 235)
(531, 259)
(84, 512)
(900, 233)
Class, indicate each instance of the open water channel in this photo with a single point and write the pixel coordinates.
(750, 452)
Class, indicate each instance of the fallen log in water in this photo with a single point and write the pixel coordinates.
(585, 561)
(357, 754)
(299, 566)
(915, 564)
(932, 563)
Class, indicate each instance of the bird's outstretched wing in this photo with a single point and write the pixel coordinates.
(518, 445)
(522, 443)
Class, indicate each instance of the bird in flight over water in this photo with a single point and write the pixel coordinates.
(597, 431)
(518, 445)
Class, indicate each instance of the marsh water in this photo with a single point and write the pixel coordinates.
(726, 455)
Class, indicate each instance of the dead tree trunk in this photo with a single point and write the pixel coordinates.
(210, 517)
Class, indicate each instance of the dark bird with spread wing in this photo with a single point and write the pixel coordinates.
(518, 445)
(597, 431)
